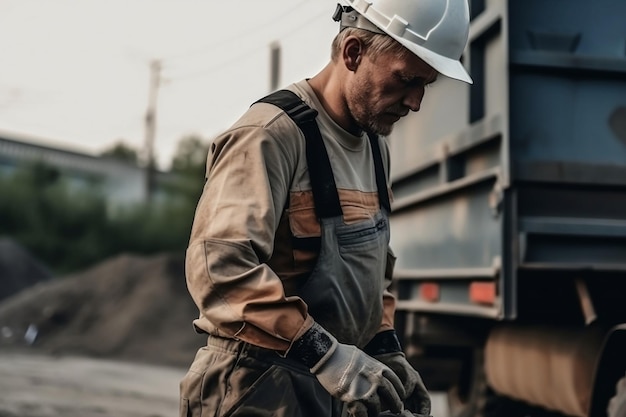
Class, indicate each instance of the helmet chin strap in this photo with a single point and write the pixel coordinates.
(350, 18)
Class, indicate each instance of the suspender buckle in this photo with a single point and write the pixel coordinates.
(303, 113)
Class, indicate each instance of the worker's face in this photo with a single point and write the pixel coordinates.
(385, 89)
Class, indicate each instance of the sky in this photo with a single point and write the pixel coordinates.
(75, 74)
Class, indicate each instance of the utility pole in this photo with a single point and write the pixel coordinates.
(150, 127)
(275, 65)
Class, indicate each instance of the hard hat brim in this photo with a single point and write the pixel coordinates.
(446, 66)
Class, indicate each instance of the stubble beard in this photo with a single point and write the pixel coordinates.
(364, 113)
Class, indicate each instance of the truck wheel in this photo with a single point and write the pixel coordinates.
(471, 396)
(467, 395)
(617, 404)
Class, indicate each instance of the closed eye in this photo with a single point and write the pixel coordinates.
(412, 82)
(409, 81)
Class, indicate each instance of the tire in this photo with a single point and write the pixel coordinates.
(471, 396)
(467, 396)
(617, 404)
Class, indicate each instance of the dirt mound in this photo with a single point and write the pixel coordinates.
(130, 307)
(18, 269)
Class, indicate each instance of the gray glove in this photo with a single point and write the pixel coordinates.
(386, 348)
(349, 374)
(417, 399)
(405, 413)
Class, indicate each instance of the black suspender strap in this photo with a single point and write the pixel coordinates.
(381, 178)
(323, 183)
(325, 195)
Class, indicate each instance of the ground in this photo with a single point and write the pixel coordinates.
(35, 385)
(112, 341)
(47, 386)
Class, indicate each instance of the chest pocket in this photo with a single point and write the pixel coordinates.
(361, 236)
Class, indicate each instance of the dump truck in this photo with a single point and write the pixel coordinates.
(509, 215)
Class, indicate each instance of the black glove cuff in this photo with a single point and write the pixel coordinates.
(383, 342)
(311, 347)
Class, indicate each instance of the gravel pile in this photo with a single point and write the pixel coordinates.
(129, 307)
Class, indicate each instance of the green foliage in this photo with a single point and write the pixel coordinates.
(151, 228)
(122, 152)
(190, 156)
(40, 211)
(68, 225)
(189, 163)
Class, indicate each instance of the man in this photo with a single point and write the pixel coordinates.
(288, 260)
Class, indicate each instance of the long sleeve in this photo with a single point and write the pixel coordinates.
(248, 177)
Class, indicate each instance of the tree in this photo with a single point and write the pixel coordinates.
(189, 164)
(190, 157)
(122, 152)
(68, 227)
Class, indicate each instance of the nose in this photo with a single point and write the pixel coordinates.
(413, 98)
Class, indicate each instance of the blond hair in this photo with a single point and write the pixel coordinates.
(374, 44)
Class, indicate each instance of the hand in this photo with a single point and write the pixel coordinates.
(416, 397)
(405, 413)
(349, 374)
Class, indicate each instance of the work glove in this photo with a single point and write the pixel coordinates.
(405, 413)
(349, 374)
(416, 397)
(386, 348)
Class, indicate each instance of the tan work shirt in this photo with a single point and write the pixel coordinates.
(241, 265)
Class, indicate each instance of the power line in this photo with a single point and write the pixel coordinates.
(214, 68)
(250, 32)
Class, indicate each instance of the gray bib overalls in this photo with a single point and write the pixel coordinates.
(343, 293)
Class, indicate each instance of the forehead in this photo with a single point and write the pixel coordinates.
(406, 64)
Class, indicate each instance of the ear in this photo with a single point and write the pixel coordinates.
(352, 53)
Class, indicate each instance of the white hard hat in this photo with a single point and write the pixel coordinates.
(434, 30)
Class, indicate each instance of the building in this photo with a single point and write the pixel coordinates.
(122, 183)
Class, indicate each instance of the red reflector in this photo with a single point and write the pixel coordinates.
(483, 292)
(429, 291)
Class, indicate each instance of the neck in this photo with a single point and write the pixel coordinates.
(328, 88)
